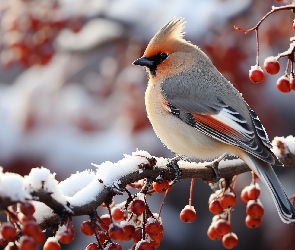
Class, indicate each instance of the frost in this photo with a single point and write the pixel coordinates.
(255, 67)
(61, 229)
(270, 59)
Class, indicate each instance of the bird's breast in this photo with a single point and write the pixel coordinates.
(178, 136)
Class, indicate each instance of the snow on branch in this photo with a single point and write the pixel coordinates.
(83, 192)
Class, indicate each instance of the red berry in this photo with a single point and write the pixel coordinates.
(128, 231)
(222, 227)
(154, 227)
(271, 65)
(212, 197)
(283, 84)
(230, 240)
(106, 221)
(157, 237)
(227, 200)
(27, 208)
(137, 235)
(143, 245)
(113, 246)
(117, 213)
(212, 234)
(188, 214)
(244, 194)
(292, 83)
(155, 244)
(65, 238)
(293, 24)
(92, 246)
(8, 231)
(39, 237)
(31, 228)
(256, 74)
(252, 222)
(137, 206)
(51, 244)
(116, 232)
(23, 218)
(214, 207)
(253, 192)
(102, 238)
(27, 243)
(161, 187)
(86, 228)
(255, 209)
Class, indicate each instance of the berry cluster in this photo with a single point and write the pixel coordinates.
(22, 231)
(130, 220)
(285, 83)
(254, 208)
(29, 29)
(220, 204)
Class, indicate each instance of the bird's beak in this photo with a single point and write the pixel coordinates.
(143, 61)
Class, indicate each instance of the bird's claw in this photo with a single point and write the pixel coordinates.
(214, 165)
(173, 164)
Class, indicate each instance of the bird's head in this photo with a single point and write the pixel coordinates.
(166, 52)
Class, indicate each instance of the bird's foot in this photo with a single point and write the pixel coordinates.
(214, 165)
(174, 165)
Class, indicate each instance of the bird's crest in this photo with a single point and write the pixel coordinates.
(170, 32)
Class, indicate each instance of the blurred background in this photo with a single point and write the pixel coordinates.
(70, 96)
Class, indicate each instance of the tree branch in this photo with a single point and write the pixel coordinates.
(129, 170)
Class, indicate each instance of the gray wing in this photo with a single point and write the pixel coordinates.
(214, 113)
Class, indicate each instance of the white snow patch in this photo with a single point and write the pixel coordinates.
(13, 186)
(40, 178)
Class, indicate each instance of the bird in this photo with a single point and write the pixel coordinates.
(197, 113)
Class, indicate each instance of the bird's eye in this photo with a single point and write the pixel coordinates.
(163, 56)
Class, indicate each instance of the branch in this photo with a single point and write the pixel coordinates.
(274, 9)
(83, 192)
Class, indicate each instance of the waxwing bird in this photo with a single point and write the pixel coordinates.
(196, 112)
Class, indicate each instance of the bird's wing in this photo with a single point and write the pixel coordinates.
(216, 118)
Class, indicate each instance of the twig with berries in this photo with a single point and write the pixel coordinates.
(286, 83)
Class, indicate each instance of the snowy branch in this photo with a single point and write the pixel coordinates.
(83, 192)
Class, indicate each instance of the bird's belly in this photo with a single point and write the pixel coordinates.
(177, 135)
(183, 139)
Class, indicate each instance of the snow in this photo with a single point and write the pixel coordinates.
(79, 189)
(289, 143)
(18, 192)
(76, 182)
(42, 211)
(271, 59)
(41, 178)
(255, 67)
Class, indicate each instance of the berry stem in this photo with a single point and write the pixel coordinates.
(287, 68)
(191, 191)
(164, 198)
(144, 223)
(146, 186)
(274, 9)
(257, 44)
(92, 218)
(253, 177)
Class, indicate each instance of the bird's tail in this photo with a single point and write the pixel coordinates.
(267, 175)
